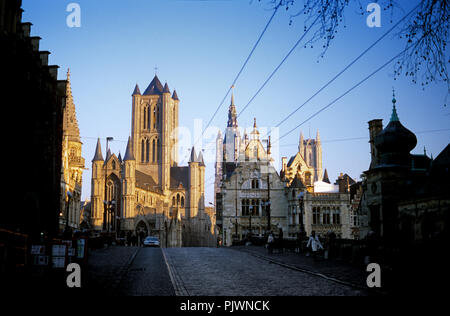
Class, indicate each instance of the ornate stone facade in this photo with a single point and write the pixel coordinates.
(151, 193)
(72, 165)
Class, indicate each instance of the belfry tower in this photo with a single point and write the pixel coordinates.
(154, 134)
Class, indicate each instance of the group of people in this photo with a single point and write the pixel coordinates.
(133, 239)
(314, 245)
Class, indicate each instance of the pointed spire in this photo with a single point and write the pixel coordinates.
(232, 95)
(232, 114)
(166, 88)
(120, 157)
(175, 95)
(70, 123)
(200, 159)
(325, 177)
(155, 87)
(136, 91)
(394, 116)
(193, 155)
(254, 123)
(318, 137)
(98, 152)
(128, 153)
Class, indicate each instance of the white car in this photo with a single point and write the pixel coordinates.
(151, 242)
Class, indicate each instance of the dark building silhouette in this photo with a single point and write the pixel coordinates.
(406, 202)
(33, 101)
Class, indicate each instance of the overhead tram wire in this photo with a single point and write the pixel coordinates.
(240, 71)
(344, 94)
(347, 67)
(279, 66)
(367, 138)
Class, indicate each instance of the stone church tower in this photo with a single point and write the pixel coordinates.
(147, 192)
(307, 163)
(72, 164)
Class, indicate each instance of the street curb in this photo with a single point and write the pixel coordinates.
(288, 266)
(124, 270)
(177, 283)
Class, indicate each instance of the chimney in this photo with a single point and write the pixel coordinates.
(26, 29)
(44, 57)
(35, 43)
(375, 127)
(343, 184)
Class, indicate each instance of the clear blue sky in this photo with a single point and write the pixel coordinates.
(199, 46)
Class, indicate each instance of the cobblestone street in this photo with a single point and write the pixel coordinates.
(227, 272)
(135, 271)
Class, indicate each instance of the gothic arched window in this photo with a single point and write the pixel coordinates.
(145, 118)
(147, 148)
(159, 151)
(143, 151)
(148, 118)
(157, 117)
(153, 151)
(182, 201)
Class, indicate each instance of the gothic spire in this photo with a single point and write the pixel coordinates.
(70, 123)
(175, 95)
(136, 91)
(166, 88)
(200, 159)
(128, 153)
(193, 156)
(325, 177)
(98, 152)
(232, 115)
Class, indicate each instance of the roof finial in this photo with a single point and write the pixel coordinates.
(393, 96)
(232, 95)
(394, 117)
(424, 151)
(156, 70)
(254, 122)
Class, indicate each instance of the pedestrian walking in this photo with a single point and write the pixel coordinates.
(270, 241)
(315, 244)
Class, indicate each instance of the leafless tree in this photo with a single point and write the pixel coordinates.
(425, 32)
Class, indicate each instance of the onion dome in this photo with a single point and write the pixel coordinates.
(395, 141)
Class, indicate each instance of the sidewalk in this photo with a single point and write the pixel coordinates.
(106, 268)
(332, 269)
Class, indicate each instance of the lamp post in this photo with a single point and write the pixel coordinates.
(105, 212)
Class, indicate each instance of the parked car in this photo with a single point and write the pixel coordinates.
(151, 242)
